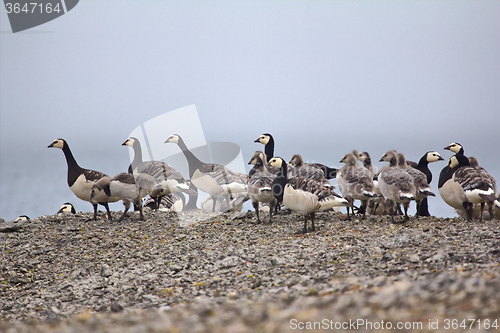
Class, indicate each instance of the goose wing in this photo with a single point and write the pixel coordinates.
(92, 175)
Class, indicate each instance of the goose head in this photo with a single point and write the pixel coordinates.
(129, 142)
(57, 143)
(433, 156)
(349, 159)
(259, 154)
(277, 162)
(363, 156)
(473, 161)
(174, 138)
(296, 161)
(388, 156)
(264, 138)
(401, 159)
(67, 208)
(455, 147)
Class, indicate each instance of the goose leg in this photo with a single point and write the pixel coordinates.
(125, 210)
(255, 205)
(272, 206)
(139, 206)
(95, 211)
(105, 204)
(406, 206)
(482, 210)
(364, 204)
(418, 202)
(312, 222)
(214, 201)
(304, 230)
(467, 210)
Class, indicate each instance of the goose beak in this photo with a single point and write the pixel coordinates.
(125, 143)
(381, 160)
(447, 148)
(51, 145)
(258, 140)
(440, 158)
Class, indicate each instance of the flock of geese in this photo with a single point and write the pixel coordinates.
(273, 183)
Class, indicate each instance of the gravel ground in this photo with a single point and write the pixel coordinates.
(200, 272)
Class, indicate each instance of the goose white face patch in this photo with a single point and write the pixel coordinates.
(433, 156)
(173, 139)
(58, 144)
(275, 162)
(130, 142)
(454, 147)
(264, 139)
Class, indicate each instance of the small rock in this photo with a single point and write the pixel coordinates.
(116, 307)
(106, 271)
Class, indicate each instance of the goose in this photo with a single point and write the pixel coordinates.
(268, 141)
(464, 185)
(211, 178)
(297, 168)
(22, 218)
(81, 180)
(172, 202)
(259, 187)
(423, 165)
(328, 173)
(396, 184)
(158, 177)
(122, 186)
(67, 208)
(422, 187)
(355, 183)
(303, 195)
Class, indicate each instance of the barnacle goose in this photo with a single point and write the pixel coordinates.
(303, 195)
(259, 187)
(81, 180)
(462, 185)
(355, 183)
(67, 207)
(211, 178)
(396, 184)
(122, 186)
(22, 218)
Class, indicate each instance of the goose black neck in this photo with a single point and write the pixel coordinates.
(423, 165)
(269, 148)
(193, 162)
(74, 170)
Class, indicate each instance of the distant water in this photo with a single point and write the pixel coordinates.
(35, 184)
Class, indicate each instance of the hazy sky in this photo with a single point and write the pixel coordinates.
(324, 77)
